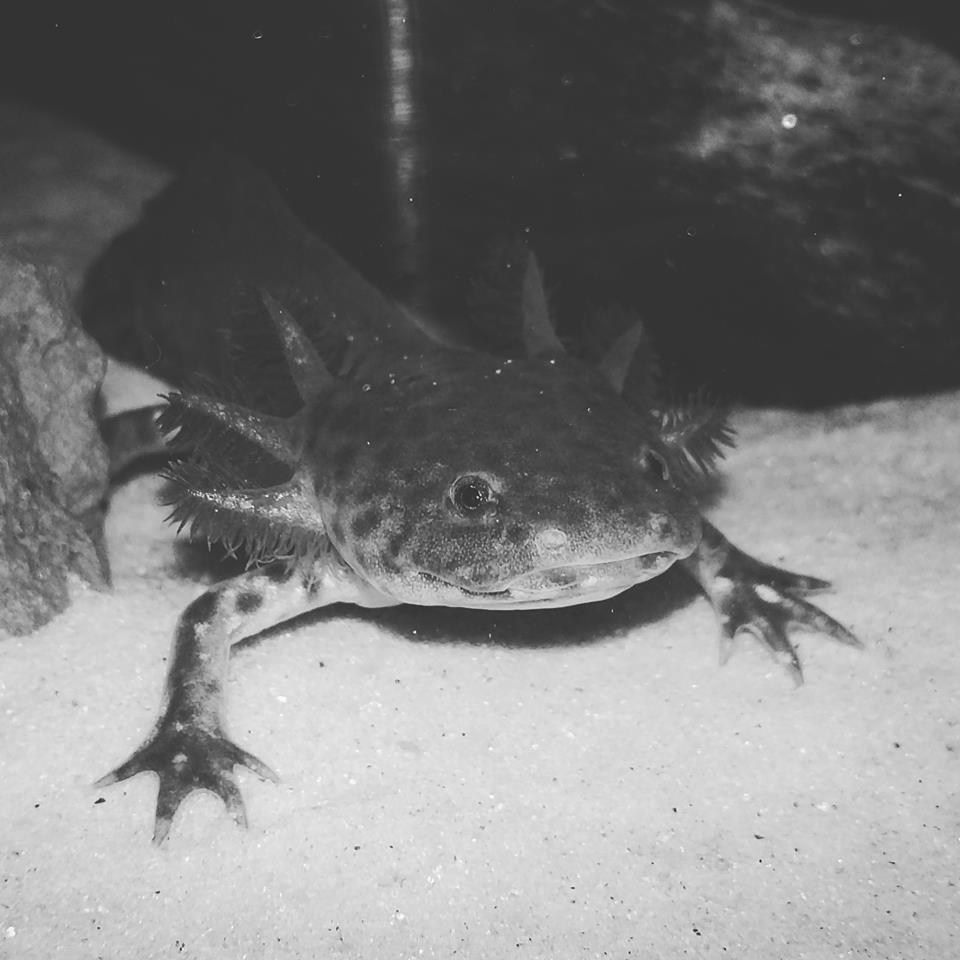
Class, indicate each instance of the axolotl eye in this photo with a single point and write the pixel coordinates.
(472, 496)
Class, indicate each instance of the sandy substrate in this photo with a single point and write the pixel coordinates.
(582, 783)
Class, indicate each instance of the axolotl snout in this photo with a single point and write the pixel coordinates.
(415, 472)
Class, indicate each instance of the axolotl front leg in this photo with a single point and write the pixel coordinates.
(188, 748)
(748, 595)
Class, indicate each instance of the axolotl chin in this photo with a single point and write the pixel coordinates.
(412, 472)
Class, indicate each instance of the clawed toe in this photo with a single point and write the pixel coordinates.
(186, 760)
(767, 607)
(754, 597)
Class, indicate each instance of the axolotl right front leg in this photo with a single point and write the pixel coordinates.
(188, 748)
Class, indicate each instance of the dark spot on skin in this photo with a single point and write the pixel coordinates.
(248, 601)
(462, 538)
(364, 523)
(516, 534)
(202, 610)
(395, 545)
(277, 573)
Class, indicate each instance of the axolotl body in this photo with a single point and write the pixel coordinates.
(412, 471)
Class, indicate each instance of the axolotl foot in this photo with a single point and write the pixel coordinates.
(186, 759)
(188, 749)
(761, 599)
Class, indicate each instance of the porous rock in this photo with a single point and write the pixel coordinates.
(53, 465)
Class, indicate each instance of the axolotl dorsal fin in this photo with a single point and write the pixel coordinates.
(308, 370)
(539, 336)
(615, 363)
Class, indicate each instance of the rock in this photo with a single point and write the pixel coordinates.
(53, 465)
(67, 191)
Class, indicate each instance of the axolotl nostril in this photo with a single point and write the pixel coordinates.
(411, 471)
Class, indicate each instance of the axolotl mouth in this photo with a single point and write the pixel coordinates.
(560, 586)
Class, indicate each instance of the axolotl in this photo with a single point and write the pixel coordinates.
(408, 470)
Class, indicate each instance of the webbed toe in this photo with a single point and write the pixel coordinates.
(764, 602)
(187, 759)
(760, 599)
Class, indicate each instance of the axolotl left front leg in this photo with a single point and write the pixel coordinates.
(188, 748)
(752, 596)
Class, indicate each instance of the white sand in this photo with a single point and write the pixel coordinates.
(623, 797)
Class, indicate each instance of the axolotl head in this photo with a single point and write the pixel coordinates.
(495, 484)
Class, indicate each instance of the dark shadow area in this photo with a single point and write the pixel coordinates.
(568, 626)
(801, 265)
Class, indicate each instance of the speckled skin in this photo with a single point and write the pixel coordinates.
(414, 472)
(383, 459)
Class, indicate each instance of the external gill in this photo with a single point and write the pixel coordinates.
(240, 483)
(281, 522)
(237, 439)
(693, 437)
(232, 442)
